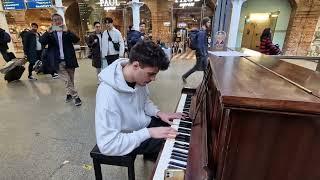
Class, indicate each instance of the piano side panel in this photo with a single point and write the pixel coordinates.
(213, 125)
(271, 146)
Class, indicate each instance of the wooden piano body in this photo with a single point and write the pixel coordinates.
(256, 118)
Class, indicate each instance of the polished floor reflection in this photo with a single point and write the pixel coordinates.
(42, 137)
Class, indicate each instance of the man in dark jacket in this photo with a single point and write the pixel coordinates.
(32, 48)
(62, 54)
(4, 40)
(201, 50)
(133, 36)
(94, 43)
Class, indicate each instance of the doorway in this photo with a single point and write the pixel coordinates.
(254, 25)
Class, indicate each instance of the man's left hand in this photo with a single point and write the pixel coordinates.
(166, 117)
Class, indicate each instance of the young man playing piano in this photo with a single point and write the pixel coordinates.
(126, 119)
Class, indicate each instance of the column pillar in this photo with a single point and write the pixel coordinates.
(4, 25)
(234, 24)
(135, 6)
(60, 9)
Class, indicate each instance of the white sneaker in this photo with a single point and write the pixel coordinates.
(32, 78)
(55, 76)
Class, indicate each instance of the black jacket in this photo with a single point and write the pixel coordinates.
(30, 46)
(133, 37)
(53, 53)
(93, 43)
(4, 40)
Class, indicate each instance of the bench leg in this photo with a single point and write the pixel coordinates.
(131, 175)
(97, 170)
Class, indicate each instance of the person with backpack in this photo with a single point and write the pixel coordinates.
(133, 36)
(199, 42)
(4, 40)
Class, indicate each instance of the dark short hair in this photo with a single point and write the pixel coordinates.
(205, 20)
(108, 20)
(95, 23)
(265, 34)
(149, 54)
(56, 14)
(34, 24)
(142, 23)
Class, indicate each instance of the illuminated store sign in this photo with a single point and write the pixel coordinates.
(33, 4)
(186, 3)
(13, 5)
(109, 4)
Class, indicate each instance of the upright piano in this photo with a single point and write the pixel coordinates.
(251, 118)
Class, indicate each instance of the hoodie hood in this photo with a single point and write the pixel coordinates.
(113, 76)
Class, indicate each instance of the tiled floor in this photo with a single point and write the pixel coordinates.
(39, 131)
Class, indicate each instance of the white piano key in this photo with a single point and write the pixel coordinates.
(168, 146)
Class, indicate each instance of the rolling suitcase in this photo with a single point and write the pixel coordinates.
(14, 74)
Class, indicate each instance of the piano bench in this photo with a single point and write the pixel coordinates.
(98, 159)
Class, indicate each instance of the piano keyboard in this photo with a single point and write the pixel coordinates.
(175, 151)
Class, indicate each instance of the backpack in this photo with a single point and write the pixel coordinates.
(192, 41)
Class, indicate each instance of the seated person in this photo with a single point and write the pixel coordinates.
(126, 120)
(266, 45)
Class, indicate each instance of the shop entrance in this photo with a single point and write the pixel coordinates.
(255, 23)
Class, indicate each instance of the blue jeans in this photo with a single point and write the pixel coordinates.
(104, 63)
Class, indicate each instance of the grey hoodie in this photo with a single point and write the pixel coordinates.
(122, 113)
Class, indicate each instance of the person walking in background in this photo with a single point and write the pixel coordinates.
(142, 30)
(61, 52)
(32, 48)
(94, 42)
(201, 50)
(22, 33)
(266, 45)
(112, 43)
(133, 36)
(4, 40)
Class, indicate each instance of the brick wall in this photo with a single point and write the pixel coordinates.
(301, 27)
(160, 13)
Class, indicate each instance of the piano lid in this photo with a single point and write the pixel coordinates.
(302, 76)
(243, 83)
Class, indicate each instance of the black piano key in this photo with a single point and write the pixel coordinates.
(185, 125)
(181, 147)
(178, 158)
(179, 155)
(177, 164)
(179, 152)
(173, 167)
(182, 136)
(186, 145)
(181, 139)
(184, 131)
(188, 120)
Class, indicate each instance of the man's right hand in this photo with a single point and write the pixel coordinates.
(162, 132)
